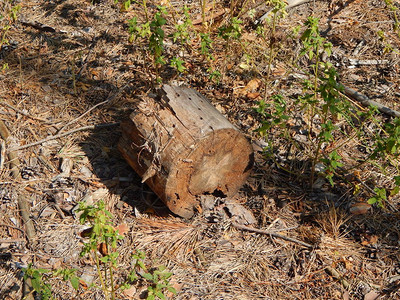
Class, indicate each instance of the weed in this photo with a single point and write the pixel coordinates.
(379, 198)
(393, 9)
(178, 64)
(157, 278)
(205, 45)
(152, 32)
(38, 282)
(8, 16)
(39, 279)
(182, 33)
(278, 12)
(102, 236)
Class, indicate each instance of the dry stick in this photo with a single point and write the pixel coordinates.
(57, 136)
(364, 100)
(274, 234)
(23, 113)
(23, 206)
(11, 241)
(109, 99)
(14, 227)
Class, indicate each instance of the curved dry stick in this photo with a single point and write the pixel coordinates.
(364, 100)
(24, 113)
(57, 136)
(274, 234)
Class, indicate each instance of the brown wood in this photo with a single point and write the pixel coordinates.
(182, 147)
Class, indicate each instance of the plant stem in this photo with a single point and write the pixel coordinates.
(146, 13)
(203, 14)
(271, 45)
(112, 282)
(312, 112)
(96, 258)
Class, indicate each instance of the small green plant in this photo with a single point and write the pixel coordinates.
(272, 116)
(39, 279)
(393, 9)
(182, 29)
(332, 162)
(278, 12)
(156, 40)
(152, 33)
(389, 144)
(8, 16)
(178, 64)
(214, 75)
(380, 197)
(157, 278)
(206, 45)
(103, 236)
(232, 31)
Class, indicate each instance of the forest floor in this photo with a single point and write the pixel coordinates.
(68, 64)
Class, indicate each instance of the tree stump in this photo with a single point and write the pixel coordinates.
(182, 147)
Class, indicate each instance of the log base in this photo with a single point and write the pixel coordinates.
(182, 147)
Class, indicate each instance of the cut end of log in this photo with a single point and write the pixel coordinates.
(183, 147)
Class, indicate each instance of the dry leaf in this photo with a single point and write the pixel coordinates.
(83, 284)
(122, 229)
(251, 88)
(253, 96)
(359, 208)
(373, 239)
(346, 295)
(130, 293)
(253, 84)
(372, 295)
(102, 247)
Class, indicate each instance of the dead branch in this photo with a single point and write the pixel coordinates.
(22, 202)
(364, 100)
(24, 113)
(57, 136)
(274, 234)
(108, 100)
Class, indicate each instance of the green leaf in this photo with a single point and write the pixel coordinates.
(160, 295)
(74, 282)
(172, 290)
(36, 284)
(147, 276)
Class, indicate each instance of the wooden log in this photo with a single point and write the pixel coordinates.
(182, 147)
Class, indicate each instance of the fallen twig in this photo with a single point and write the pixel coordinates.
(274, 234)
(335, 274)
(359, 62)
(23, 204)
(109, 99)
(364, 100)
(11, 241)
(24, 113)
(57, 136)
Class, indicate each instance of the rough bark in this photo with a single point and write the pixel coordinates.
(182, 147)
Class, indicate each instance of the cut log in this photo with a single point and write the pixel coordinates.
(182, 147)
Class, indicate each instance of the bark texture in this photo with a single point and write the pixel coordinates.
(182, 147)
